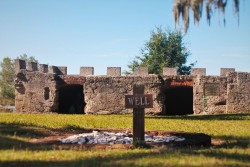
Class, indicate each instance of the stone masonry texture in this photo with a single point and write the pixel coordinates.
(41, 91)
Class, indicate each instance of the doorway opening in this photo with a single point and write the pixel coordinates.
(179, 100)
(71, 99)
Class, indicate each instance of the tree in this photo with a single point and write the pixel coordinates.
(27, 58)
(164, 49)
(182, 8)
(7, 75)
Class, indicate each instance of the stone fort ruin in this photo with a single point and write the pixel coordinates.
(48, 89)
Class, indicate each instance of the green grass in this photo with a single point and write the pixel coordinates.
(17, 129)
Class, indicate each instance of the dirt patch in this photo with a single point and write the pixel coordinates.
(191, 139)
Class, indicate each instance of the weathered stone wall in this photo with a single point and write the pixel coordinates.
(106, 95)
(238, 93)
(38, 89)
(35, 92)
(228, 94)
(213, 102)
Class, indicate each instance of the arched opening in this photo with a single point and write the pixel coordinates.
(179, 100)
(71, 99)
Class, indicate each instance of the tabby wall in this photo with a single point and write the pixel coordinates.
(35, 92)
(38, 89)
(106, 95)
(210, 94)
(238, 93)
(222, 94)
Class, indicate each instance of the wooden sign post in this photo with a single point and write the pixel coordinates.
(138, 101)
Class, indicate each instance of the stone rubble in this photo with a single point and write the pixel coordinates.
(115, 138)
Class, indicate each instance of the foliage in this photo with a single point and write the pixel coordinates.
(182, 8)
(27, 58)
(19, 131)
(7, 75)
(164, 49)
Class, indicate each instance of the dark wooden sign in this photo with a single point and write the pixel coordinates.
(139, 101)
(211, 89)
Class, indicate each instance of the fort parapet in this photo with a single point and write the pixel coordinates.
(44, 89)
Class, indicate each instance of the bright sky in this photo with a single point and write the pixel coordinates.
(110, 33)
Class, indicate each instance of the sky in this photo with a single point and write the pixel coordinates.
(110, 33)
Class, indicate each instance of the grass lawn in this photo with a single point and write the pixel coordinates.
(231, 131)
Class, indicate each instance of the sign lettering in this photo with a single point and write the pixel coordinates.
(131, 101)
(139, 101)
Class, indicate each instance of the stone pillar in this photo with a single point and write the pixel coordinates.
(84, 71)
(198, 71)
(62, 70)
(32, 66)
(114, 71)
(141, 71)
(52, 69)
(58, 70)
(225, 71)
(19, 65)
(43, 68)
(169, 71)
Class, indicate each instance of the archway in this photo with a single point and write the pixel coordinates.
(179, 100)
(71, 99)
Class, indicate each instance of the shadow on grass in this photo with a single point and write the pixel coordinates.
(10, 135)
(205, 117)
(76, 128)
(22, 130)
(233, 142)
(219, 154)
(228, 156)
(32, 131)
(17, 136)
(7, 143)
(129, 159)
(137, 158)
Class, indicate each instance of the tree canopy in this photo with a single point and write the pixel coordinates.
(7, 75)
(27, 58)
(182, 9)
(164, 49)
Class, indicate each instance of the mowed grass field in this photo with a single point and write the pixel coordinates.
(229, 132)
